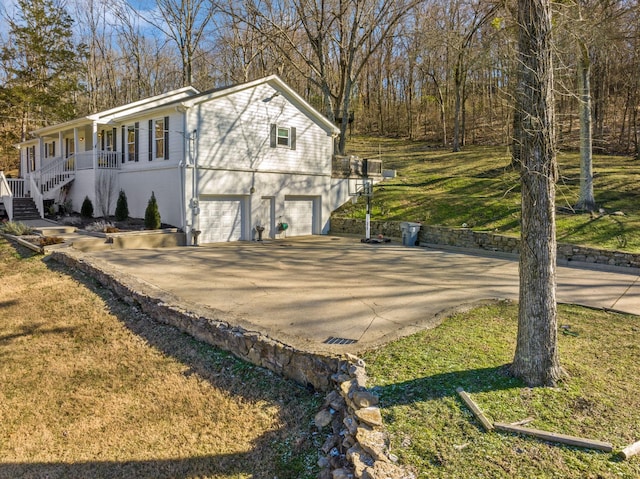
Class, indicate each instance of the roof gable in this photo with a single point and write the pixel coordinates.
(280, 86)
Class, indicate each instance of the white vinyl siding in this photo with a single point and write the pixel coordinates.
(236, 131)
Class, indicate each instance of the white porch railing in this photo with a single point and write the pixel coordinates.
(6, 195)
(104, 160)
(36, 195)
(17, 187)
(55, 173)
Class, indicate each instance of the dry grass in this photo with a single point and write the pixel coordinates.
(93, 388)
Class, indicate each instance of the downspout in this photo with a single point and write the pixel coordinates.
(181, 168)
(195, 199)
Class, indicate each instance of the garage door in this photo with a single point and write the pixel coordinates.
(299, 213)
(221, 219)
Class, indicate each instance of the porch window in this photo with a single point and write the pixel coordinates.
(108, 140)
(50, 149)
(70, 147)
(31, 159)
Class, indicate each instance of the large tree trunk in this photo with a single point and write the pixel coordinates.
(458, 80)
(536, 356)
(586, 200)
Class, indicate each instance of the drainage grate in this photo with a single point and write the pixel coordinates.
(332, 340)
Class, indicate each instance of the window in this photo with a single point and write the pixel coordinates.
(31, 158)
(282, 136)
(132, 142)
(161, 138)
(50, 149)
(108, 140)
(70, 147)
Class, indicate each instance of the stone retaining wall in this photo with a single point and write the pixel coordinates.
(356, 443)
(466, 238)
(208, 325)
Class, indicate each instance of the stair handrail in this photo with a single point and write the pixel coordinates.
(5, 190)
(6, 195)
(54, 169)
(36, 195)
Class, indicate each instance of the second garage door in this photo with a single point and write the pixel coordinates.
(221, 219)
(300, 214)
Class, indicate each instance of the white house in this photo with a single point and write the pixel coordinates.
(224, 162)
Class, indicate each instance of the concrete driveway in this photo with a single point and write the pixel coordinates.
(305, 291)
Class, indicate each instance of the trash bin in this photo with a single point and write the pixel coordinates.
(410, 233)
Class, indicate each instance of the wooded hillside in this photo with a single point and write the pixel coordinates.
(441, 70)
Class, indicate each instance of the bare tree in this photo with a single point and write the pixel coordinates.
(184, 22)
(339, 37)
(106, 187)
(536, 358)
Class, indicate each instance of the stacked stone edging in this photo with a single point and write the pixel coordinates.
(467, 238)
(356, 443)
(306, 368)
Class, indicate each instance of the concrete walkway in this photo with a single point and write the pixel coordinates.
(304, 291)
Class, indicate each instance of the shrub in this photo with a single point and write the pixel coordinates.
(87, 208)
(151, 214)
(122, 208)
(16, 228)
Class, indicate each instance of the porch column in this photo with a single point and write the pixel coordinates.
(61, 148)
(76, 147)
(94, 144)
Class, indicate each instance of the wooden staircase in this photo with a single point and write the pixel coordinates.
(25, 209)
(55, 175)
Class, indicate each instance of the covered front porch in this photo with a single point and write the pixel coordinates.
(45, 183)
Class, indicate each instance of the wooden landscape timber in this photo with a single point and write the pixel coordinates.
(630, 450)
(555, 437)
(517, 428)
(475, 410)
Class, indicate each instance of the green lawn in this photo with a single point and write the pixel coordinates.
(432, 430)
(477, 187)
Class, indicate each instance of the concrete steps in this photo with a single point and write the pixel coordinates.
(25, 209)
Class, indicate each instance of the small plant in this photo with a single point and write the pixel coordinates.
(67, 207)
(49, 240)
(122, 208)
(151, 214)
(16, 228)
(87, 208)
(102, 226)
